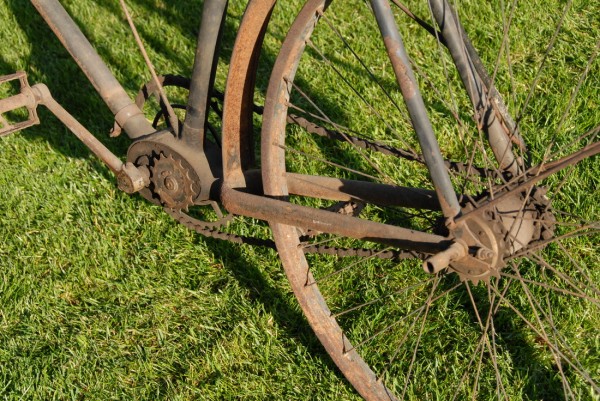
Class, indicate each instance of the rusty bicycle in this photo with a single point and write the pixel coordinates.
(405, 198)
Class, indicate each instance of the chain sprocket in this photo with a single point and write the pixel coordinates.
(171, 182)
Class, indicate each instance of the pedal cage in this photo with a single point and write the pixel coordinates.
(24, 99)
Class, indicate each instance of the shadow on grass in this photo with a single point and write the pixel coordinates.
(513, 336)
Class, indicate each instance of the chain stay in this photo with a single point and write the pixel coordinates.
(212, 229)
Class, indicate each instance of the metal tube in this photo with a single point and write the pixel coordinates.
(474, 85)
(443, 259)
(278, 211)
(416, 108)
(127, 114)
(203, 76)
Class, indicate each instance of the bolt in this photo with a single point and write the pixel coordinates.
(171, 183)
(484, 253)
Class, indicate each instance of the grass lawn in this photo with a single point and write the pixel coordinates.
(104, 297)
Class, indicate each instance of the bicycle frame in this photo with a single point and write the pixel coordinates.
(113, 94)
(237, 123)
(231, 181)
(479, 224)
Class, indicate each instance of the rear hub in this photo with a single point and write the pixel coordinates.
(490, 237)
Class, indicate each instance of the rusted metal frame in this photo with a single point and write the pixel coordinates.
(203, 75)
(416, 108)
(491, 124)
(338, 189)
(238, 138)
(283, 212)
(127, 114)
(343, 190)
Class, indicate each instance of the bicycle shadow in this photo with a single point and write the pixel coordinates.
(506, 332)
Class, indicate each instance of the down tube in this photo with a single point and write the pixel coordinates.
(127, 114)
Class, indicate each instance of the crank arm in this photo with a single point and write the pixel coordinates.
(130, 179)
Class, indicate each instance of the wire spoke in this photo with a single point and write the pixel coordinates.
(398, 292)
(578, 86)
(363, 64)
(582, 372)
(566, 386)
(348, 267)
(580, 269)
(384, 177)
(325, 161)
(543, 62)
(537, 309)
(553, 288)
(480, 345)
(371, 108)
(392, 325)
(569, 280)
(414, 357)
(590, 229)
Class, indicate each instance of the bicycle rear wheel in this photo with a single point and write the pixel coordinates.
(333, 109)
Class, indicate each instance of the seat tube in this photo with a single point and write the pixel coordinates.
(203, 75)
(416, 108)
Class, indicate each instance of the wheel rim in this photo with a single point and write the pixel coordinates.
(521, 304)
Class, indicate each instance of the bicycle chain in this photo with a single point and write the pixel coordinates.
(313, 128)
(212, 230)
(458, 167)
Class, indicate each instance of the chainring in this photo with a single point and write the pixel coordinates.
(170, 181)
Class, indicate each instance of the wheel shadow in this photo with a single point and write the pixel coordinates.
(512, 335)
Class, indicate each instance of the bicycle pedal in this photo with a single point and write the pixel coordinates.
(17, 105)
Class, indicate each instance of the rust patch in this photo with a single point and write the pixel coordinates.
(394, 49)
(237, 112)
